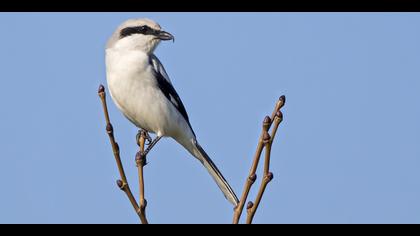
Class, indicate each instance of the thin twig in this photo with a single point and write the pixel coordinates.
(252, 176)
(264, 141)
(251, 211)
(268, 176)
(141, 162)
(122, 183)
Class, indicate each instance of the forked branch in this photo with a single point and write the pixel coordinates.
(265, 141)
(122, 183)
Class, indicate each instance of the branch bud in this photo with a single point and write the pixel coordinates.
(269, 176)
(101, 89)
(120, 184)
(249, 205)
(252, 178)
(144, 204)
(279, 114)
(266, 137)
(266, 123)
(109, 128)
(140, 159)
(282, 99)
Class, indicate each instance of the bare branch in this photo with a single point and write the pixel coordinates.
(252, 176)
(122, 183)
(141, 162)
(265, 141)
(251, 211)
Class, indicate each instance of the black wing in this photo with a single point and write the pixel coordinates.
(166, 87)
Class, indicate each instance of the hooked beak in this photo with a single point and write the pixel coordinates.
(163, 35)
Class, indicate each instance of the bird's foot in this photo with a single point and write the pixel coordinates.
(151, 144)
(146, 135)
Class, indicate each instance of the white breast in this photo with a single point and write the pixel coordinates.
(135, 92)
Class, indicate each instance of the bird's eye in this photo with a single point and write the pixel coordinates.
(142, 29)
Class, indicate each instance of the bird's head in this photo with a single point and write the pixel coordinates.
(138, 34)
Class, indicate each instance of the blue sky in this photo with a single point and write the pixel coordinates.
(347, 152)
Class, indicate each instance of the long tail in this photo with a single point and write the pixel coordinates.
(202, 156)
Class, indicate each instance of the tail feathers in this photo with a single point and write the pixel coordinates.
(201, 155)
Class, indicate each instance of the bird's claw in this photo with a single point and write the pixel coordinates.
(148, 139)
(146, 136)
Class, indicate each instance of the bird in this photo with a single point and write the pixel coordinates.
(142, 90)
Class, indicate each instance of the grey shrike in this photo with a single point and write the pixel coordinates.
(142, 90)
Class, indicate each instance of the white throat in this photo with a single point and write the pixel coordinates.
(144, 43)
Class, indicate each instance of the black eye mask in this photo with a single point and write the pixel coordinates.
(144, 29)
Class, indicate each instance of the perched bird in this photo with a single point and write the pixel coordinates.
(143, 92)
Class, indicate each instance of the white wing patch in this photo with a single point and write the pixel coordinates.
(173, 100)
(158, 67)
